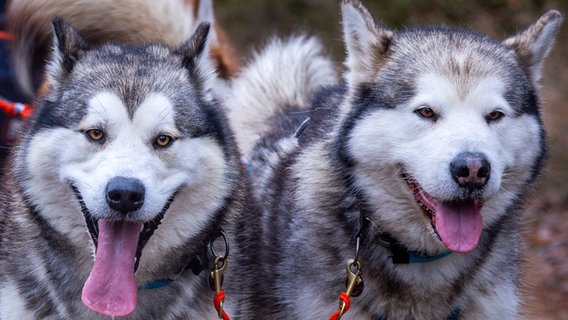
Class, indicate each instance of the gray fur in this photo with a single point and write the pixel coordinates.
(301, 68)
(55, 172)
(360, 143)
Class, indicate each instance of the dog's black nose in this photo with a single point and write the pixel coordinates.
(470, 169)
(125, 194)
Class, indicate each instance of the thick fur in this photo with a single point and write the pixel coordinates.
(412, 102)
(130, 21)
(290, 71)
(133, 97)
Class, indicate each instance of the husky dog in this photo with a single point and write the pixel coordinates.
(415, 169)
(125, 177)
(127, 21)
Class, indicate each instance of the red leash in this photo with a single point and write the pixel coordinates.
(344, 297)
(217, 302)
(353, 289)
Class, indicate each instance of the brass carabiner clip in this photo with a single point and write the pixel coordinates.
(220, 265)
(354, 284)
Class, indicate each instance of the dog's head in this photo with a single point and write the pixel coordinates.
(132, 137)
(444, 128)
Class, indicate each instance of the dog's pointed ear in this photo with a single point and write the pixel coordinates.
(367, 42)
(533, 45)
(68, 47)
(195, 55)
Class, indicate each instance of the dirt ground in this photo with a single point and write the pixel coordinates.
(546, 267)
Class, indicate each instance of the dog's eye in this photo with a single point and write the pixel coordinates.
(427, 112)
(96, 135)
(494, 116)
(163, 141)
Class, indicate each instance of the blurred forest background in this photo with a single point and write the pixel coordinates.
(251, 23)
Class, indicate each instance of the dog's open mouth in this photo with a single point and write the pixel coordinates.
(458, 223)
(111, 288)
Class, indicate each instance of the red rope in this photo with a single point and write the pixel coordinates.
(15, 109)
(345, 298)
(219, 297)
(6, 36)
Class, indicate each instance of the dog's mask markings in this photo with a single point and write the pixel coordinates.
(111, 287)
(125, 221)
(120, 230)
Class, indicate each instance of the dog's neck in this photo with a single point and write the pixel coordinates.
(400, 254)
(198, 262)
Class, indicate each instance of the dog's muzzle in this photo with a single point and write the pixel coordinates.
(124, 195)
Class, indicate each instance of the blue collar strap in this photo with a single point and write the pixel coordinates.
(417, 257)
(198, 263)
(158, 283)
(401, 255)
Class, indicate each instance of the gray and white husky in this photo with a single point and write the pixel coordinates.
(126, 175)
(415, 168)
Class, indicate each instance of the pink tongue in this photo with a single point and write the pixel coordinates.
(458, 224)
(110, 288)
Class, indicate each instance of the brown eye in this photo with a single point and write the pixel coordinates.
(163, 140)
(426, 112)
(96, 135)
(494, 116)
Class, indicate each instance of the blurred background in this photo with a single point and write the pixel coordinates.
(250, 23)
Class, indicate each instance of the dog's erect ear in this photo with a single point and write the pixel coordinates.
(366, 41)
(533, 45)
(68, 47)
(195, 55)
(197, 43)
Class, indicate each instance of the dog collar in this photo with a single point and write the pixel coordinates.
(401, 255)
(197, 264)
(215, 278)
